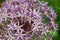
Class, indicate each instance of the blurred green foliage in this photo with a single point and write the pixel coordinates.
(1, 1)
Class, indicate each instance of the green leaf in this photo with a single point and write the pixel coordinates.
(34, 36)
(46, 38)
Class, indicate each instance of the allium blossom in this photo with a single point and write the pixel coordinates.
(22, 19)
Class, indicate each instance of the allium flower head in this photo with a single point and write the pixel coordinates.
(24, 19)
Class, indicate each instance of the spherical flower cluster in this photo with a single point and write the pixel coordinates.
(23, 19)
